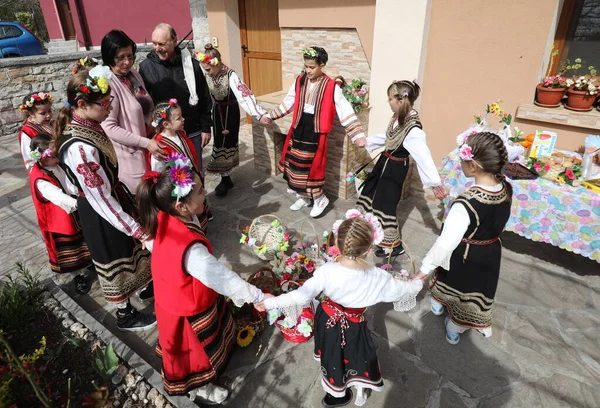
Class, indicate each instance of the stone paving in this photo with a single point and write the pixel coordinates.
(545, 349)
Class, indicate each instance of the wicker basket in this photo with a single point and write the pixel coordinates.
(264, 233)
(292, 334)
(265, 280)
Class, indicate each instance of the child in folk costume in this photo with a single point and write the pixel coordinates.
(195, 327)
(226, 90)
(38, 109)
(106, 208)
(343, 343)
(314, 99)
(466, 256)
(52, 195)
(168, 121)
(382, 190)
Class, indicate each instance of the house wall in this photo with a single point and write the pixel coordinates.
(138, 22)
(224, 24)
(479, 52)
(52, 19)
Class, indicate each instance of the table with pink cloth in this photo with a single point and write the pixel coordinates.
(543, 210)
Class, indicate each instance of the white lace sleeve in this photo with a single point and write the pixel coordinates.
(212, 273)
(455, 226)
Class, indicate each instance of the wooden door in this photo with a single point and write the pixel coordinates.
(261, 45)
(66, 20)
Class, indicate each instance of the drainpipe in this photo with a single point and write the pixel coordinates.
(87, 41)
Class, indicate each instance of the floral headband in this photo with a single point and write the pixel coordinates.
(465, 152)
(404, 94)
(98, 80)
(207, 59)
(36, 98)
(36, 156)
(369, 217)
(180, 174)
(84, 62)
(309, 52)
(162, 113)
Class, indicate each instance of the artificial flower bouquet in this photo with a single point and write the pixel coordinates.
(299, 331)
(355, 92)
(570, 176)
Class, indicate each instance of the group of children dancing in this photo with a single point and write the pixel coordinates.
(87, 217)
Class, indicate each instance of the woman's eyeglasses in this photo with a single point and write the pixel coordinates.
(122, 58)
(104, 104)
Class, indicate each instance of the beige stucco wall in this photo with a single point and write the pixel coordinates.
(479, 52)
(359, 14)
(223, 23)
(395, 59)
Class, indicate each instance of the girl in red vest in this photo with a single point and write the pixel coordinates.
(52, 195)
(168, 122)
(195, 327)
(315, 100)
(343, 342)
(38, 110)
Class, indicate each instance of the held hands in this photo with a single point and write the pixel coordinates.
(205, 138)
(266, 120)
(420, 276)
(261, 305)
(156, 149)
(360, 142)
(439, 192)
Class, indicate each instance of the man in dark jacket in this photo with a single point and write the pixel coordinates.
(163, 74)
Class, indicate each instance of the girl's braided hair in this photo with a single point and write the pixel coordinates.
(491, 154)
(355, 238)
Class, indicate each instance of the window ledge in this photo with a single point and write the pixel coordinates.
(560, 116)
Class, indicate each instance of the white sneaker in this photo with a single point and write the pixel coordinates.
(487, 332)
(210, 394)
(361, 397)
(300, 203)
(319, 206)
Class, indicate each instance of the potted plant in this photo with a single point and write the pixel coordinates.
(582, 94)
(355, 92)
(552, 89)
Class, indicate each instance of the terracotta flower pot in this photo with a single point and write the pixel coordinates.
(579, 101)
(549, 97)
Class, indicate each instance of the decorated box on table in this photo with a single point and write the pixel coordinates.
(543, 144)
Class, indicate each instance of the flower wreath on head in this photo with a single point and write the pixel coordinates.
(36, 156)
(180, 174)
(207, 59)
(162, 114)
(84, 62)
(404, 94)
(309, 52)
(369, 217)
(98, 80)
(38, 97)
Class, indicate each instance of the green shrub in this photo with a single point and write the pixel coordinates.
(20, 299)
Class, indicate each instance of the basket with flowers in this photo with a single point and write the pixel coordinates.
(355, 92)
(266, 236)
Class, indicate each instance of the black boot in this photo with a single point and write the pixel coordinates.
(331, 401)
(146, 295)
(399, 250)
(81, 284)
(129, 319)
(224, 186)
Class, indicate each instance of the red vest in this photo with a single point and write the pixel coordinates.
(324, 109)
(51, 218)
(33, 129)
(175, 290)
(189, 150)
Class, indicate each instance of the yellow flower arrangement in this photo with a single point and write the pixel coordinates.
(103, 84)
(245, 336)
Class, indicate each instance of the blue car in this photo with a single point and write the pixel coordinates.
(17, 41)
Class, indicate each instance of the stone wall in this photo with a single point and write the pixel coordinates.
(346, 54)
(342, 155)
(47, 73)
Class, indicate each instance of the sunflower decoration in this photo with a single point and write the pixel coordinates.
(245, 336)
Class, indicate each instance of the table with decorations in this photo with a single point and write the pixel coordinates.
(546, 209)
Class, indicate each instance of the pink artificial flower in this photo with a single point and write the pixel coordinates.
(287, 276)
(569, 174)
(547, 167)
(465, 152)
(286, 237)
(333, 251)
(537, 167)
(386, 267)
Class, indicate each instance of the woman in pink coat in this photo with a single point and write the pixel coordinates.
(126, 126)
